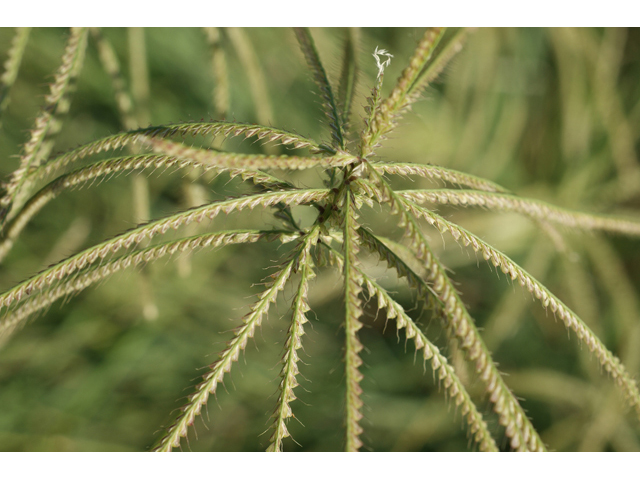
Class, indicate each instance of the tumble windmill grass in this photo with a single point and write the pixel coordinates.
(357, 183)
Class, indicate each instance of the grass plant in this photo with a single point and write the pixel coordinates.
(329, 208)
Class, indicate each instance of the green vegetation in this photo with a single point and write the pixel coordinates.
(301, 215)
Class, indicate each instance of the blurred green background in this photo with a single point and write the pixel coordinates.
(548, 113)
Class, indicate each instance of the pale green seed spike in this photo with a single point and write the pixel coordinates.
(63, 106)
(353, 311)
(293, 343)
(349, 76)
(71, 61)
(99, 252)
(74, 284)
(308, 48)
(536, 209)
(435, 172)
(211, 380)
(12, 66)
(608, 360)
(447, 375)
(518, 427)
(250, 162)
(398, 98)
(219, 72)
(121, 140)
(439, 61)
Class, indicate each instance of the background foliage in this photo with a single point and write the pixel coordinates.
(550, 114)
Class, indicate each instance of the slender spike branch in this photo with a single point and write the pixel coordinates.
(114, 166)
(292, 345)
(440, 60)
(398, 98)
(349, 76)
(250, 162)
(446, 373)
(227, 357)
(12, 66)
(308, 47)
(518, 427)
(439, 173)
(608, 360)
(353, 311)
(536, 209)
(71, 62)
(76, 283)
(63, 105)
(120, 140)
(58, 272)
